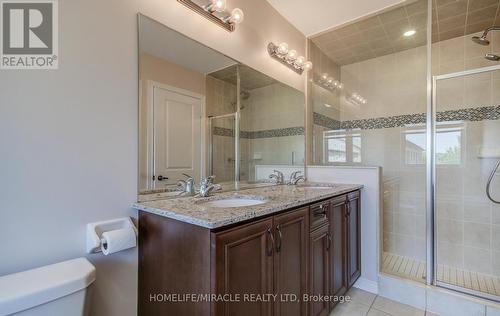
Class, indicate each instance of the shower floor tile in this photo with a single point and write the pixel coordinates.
(413, 269)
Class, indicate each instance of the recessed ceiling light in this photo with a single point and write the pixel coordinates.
(409, 33)
(327, 105)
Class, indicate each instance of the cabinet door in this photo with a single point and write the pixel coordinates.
(290, 261)
(338, 249)
(319, 268)
(354, 238)
(244, 265)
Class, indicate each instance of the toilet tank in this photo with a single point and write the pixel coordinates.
(56, 290)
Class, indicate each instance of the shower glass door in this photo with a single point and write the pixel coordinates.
(222, 147)
(467, 148)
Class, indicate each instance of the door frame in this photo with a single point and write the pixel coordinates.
(150, 122)
(432, 260)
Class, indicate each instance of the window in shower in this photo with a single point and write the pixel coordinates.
(449, 144)
(342, 147)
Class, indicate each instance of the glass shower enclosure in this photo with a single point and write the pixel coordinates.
(466, 120)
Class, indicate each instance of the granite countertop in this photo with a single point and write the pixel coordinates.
(279, 197)
(173, 191)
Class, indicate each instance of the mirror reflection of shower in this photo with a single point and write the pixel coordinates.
(482, 40)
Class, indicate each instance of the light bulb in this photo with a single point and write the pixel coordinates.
(336, 83)
(300, 61)
(237, 16)
(409, 33)
(282, 48)
(329, 80)
(308, 65)
(341, 85)
(218, 5)
(324, 76)
(292, 55)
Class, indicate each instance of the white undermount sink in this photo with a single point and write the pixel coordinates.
(234, 202)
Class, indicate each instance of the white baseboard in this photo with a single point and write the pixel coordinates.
(366, 285)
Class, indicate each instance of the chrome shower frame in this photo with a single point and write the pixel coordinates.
(431, 277)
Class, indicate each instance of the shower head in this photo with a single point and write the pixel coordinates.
(492, 57)
(481, 40)
(244, 94)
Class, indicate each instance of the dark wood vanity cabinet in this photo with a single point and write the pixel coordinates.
(290, 261)
(266, 257)
(319, 267)
(353, 218)
(244, 264)
(311, 250)
(338, 250)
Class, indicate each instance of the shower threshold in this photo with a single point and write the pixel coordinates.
(413, 269)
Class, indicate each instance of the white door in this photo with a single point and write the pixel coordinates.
(177, 136)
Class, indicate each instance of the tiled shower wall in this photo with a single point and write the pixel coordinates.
(395, 87)
(277, 111)
(272, 128)
(468, 224)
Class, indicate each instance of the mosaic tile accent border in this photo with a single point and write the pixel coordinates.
(467, 114)
(325, 121)
(269, 133)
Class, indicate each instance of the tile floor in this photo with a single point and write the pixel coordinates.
(367, 304)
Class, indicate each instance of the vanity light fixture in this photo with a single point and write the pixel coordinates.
(288, 57)
(328, 82)
(216, 12)
(356, 99)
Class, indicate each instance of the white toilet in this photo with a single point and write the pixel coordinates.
(60, 289)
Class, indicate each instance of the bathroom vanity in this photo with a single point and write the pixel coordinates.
(294, 242)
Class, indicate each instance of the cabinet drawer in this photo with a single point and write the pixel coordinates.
(318, 214)
(353, 195)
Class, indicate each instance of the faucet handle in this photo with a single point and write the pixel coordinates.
(211, 178)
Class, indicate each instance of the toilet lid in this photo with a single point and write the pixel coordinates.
(24, 290)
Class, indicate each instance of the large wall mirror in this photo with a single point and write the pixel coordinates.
(202, 113)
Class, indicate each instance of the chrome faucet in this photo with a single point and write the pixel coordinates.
(294, 179)
(278, 176)
(187, 185)
(207, 186)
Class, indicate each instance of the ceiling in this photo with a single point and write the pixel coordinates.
(376, 36)
(160, 41)
(382, 34)
(454, 18)
(250, 78)
(314, 16)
